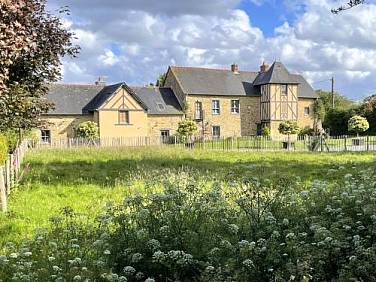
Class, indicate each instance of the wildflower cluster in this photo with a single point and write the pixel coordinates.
(248, 230)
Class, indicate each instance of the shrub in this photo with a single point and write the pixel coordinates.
(187, 128)
(265, 131)
(307, 131)
(4, 149)
(87, 129)
(288, 127)
(358, 124)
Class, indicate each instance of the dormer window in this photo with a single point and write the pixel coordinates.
(284, 89)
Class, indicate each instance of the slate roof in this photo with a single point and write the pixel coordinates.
(203, 81)
(106, 93)
(159, 101)
(70, 99)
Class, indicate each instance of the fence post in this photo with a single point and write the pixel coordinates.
(7, 175)
(346, 143)
(367, 140)
(3, 194)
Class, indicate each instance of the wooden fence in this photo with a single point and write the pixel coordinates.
(248, 143)
(10, 172)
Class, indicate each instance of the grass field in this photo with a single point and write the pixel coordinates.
(87, 179)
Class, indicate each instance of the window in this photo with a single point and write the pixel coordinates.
(284, 89)
(307, 111)
(198, 111)
(216, 107)
(160, 107)
(235, 106)
(45, 135)
(216, 131)
(123, 117)
(165, 135)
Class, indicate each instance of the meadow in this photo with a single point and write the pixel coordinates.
(93, 182)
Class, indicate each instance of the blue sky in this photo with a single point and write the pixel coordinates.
(136, 40)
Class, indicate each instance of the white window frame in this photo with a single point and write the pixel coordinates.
(45, 138)
(235, 106)
(219, 131)
(216, 107)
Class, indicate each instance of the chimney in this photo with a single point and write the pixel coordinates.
(235, 68)
(101, 81)
(264, 67)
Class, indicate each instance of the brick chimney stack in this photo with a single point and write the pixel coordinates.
(264, 67)
(235, 68)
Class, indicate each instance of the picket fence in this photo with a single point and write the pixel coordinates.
(248, 143)
(10, 173)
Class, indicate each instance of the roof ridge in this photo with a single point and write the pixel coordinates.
(208, 68)
(74, 84)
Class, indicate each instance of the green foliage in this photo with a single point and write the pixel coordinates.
(337, 121)
(87, 129)
(368, 110)
(306, 131)
(247, 228)
(319, 110)
(3, 149)
(358, 124)
(265, 131)
(288, 127)
(161, 80)
(33, 42)
(187, 128)
(340, 102)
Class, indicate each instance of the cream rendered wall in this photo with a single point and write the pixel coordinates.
(108, 117)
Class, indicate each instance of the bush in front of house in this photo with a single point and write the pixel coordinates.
(88, 130)
(251, 229)
(288, 127)
(265, 131)
(358, 124)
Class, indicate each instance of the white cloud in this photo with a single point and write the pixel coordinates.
(135, 41)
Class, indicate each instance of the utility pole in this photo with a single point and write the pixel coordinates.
(332, 92)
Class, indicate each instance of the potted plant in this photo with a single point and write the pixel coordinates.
(186, 129)
(358, 124)
(288, 128)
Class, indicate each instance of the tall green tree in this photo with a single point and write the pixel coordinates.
(32, 43)
(368, 110)
(340, 102)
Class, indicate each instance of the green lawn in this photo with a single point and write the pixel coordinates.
(87, 179)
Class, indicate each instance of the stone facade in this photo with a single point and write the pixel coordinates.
(157, 123)
(250, 115)
(63, 126)
(304, 119)
(229, 123)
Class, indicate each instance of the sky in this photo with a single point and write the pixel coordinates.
(136, 40)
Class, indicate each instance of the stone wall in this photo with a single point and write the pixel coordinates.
(229, 123)
(156, 123)
(305, 120)
(172, 82)
(250, 108)
(63, 126)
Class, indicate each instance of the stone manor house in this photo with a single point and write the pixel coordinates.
(224, 103)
